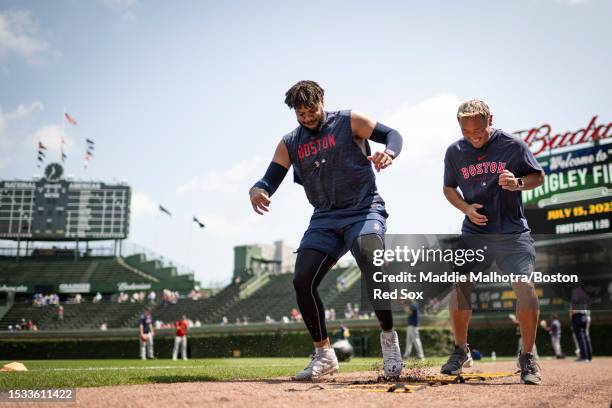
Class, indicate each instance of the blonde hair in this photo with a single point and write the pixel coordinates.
(473, 108)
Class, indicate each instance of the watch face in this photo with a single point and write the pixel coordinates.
(53, 172)
(390, 153)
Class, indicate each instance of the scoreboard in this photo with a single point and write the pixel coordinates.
(576, 196)
(56, 209)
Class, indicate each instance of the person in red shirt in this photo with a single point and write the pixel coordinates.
(180, 338)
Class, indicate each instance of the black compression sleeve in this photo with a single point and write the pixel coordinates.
(389, 137)
(272, 179)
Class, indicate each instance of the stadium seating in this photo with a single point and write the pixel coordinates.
(37, 271)
(271, 295)
(275, 299)
(210, 310)
(76, 316)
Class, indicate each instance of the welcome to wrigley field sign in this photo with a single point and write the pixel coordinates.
(576, 196)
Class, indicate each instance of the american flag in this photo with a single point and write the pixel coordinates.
(70, 119)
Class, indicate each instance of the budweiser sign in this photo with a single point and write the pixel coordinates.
(542, 139)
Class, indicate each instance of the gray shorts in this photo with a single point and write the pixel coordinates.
(513, 253)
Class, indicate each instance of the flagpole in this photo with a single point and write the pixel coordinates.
(63, 133)
(157, 230)
(189, 243)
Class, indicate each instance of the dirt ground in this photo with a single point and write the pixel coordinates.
(565, 383)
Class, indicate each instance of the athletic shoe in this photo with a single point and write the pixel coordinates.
(460, 358)
(392, 356)
(582, 360)
(323, 362)
(530, 370)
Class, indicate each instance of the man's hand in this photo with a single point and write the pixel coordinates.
(507, 181)
(474, 216)
(381, 160)
(259, 200)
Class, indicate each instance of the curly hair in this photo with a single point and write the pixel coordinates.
(304, 94)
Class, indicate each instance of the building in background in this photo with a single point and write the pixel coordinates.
(256, 259)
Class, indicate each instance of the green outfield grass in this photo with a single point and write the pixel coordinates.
(92, 373)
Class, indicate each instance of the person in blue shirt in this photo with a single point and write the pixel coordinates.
(146, 333)
(555, 336)
(491, 168)
(412, 331)
(331, 158)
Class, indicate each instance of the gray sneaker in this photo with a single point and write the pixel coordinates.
(323, 362)
(530, 370)
(392, 355)
(459, 359)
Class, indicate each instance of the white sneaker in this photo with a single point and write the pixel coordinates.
(392, 356)
(323, 362)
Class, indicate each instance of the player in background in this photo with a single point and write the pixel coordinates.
(146, 334)
(180, 338)
(412, 331)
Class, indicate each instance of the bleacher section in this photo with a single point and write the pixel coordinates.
(76, 316)
(275, 299)
(40, 271)
(271, 295)
(25, 311)
(210, 310)
(154, 268)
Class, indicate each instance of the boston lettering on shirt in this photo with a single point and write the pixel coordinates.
(332, 165)
(476, 172)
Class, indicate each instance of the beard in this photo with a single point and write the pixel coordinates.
(317, 127)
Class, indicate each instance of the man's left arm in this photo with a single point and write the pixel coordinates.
(510, 182)
(366, 128)
(529, 173)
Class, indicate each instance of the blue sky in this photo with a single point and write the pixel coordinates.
(185, 100)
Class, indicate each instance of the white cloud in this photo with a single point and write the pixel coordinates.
(21, 112)
(142, 205)
(12, 131)
(20, 35)
(428, 127)
(224, 181)
(412, 186)
(24, 111)
(51, 137)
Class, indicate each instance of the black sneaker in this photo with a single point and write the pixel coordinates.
(460, 358)
(530, 370)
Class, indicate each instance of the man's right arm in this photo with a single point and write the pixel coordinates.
(261, 192)
(454, 197)
(471, 210)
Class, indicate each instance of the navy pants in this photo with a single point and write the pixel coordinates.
(579, 325)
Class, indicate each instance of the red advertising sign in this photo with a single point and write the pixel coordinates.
(542, 139)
